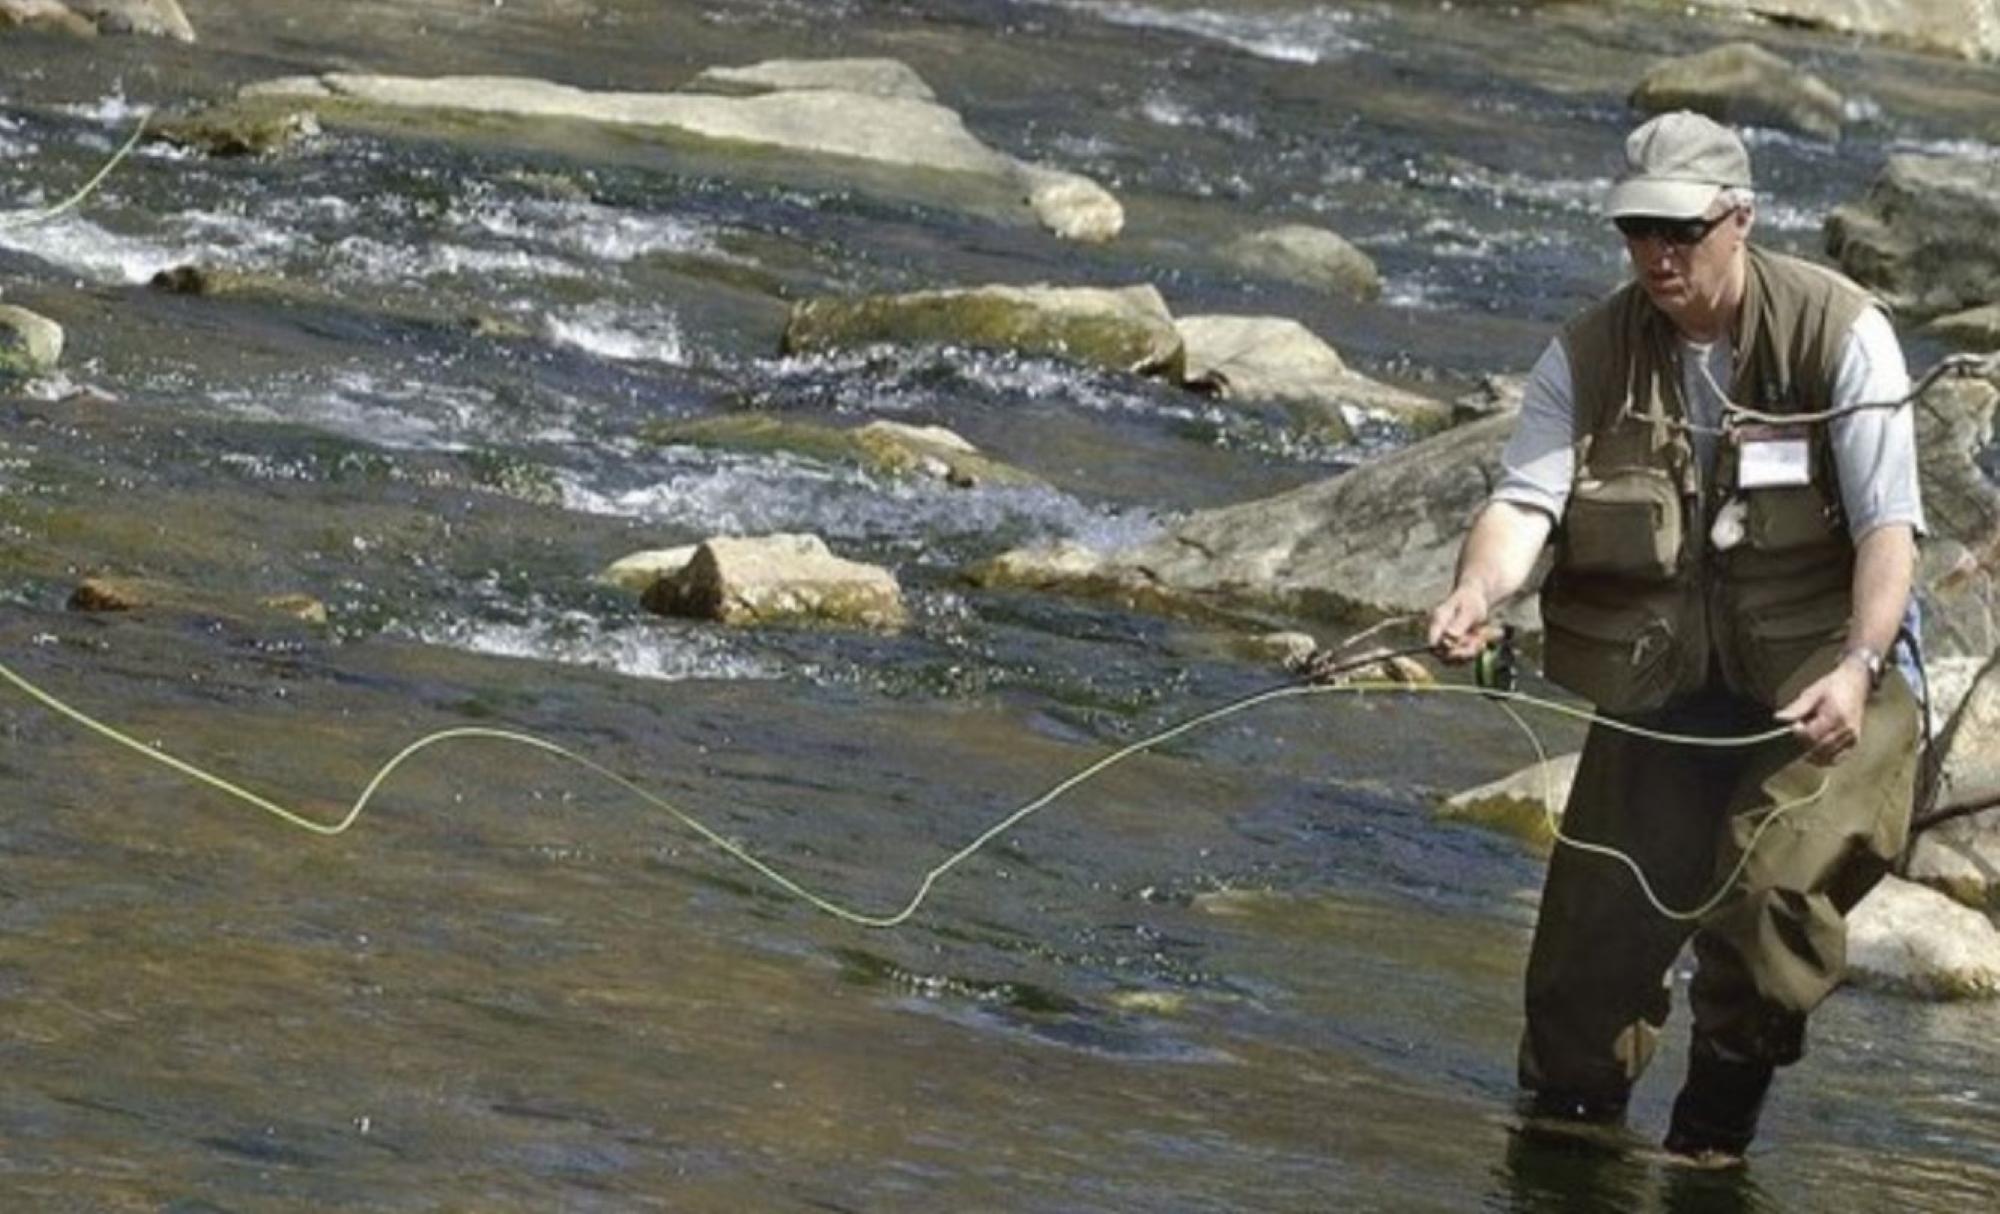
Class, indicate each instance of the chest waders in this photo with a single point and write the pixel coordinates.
(1656, 621)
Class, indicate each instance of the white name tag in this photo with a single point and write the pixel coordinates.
(1774, 463)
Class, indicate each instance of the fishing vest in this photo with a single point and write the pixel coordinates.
(1667, 579)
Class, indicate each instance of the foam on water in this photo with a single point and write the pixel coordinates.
(645, 334)
(578, 639)
(92, 251)
(759, 495)
(1309, 36)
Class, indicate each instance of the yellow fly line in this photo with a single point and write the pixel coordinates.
(1506, 699)
(23, 219)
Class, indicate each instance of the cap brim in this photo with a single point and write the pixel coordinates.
(1667, 199)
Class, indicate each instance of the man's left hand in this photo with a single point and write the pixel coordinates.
(1826, 716)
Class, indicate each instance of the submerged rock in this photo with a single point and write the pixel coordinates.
(1912, 940)
(1744, 84)
(1922, 236)
(30, 344)
(1309, 256)
(238, 128)
(897, 130)
(778, 578)
(1278, 359)
(1522, 804)
(1126, 329)
(45, 14)
(160, 17)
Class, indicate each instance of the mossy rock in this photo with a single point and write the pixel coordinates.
(885, 448)
(30, 344)
(1127, 329)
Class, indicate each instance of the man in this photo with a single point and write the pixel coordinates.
(1708, 576)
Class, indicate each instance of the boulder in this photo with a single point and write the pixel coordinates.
(239, 128)
(30, 344)
(778, 578)
(875, 77)
(1959, 565)
(1380, 540)
(896, 131)
(882, 447)
(1961, 857)
(1968, 29)
(1278, 359)
(1308, 256)
(1743, 84)
(45, 14)
(1521, 804)
(1912, 940)
(1922, 235)
(1973, 329)
(1126, 329)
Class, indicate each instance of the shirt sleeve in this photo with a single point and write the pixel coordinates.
(1538, 463)
(1875, 450)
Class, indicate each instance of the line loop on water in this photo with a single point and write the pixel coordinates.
(1504, 699)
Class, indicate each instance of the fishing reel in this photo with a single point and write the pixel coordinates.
(1498, 666)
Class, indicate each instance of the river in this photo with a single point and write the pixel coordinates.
(1252, 971)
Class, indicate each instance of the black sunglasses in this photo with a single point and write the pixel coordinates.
(1678, 232)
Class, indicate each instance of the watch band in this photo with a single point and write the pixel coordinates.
(1870, 659)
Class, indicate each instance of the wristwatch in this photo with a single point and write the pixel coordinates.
(1870, 660)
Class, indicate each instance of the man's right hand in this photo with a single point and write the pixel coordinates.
(1458, 624)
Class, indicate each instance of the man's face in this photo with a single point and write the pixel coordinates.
(1684, 265)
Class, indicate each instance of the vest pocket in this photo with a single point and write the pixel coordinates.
(1780, 519)
(1785, 648)
(1620, 659)
(1627, 522)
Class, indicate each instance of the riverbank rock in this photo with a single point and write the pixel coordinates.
(238, 128)
(45, 15)
(1377, 541)
(1521, 804)
(895, 130)
(1975, 329)
(1959, 564)
(1278, 359)
(1743, 84)
(882, 447)
(1912, 940)
(778, 579)
(1962, 857)
(1967, 29)
(1126, 329)
(30, 344)
(1922, 234)
(1308, 256)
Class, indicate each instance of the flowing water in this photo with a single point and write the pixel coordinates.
(1250, 972)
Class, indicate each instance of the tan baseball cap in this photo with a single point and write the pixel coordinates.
(1675, 165)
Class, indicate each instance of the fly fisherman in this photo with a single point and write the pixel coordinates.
(1706, 575)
